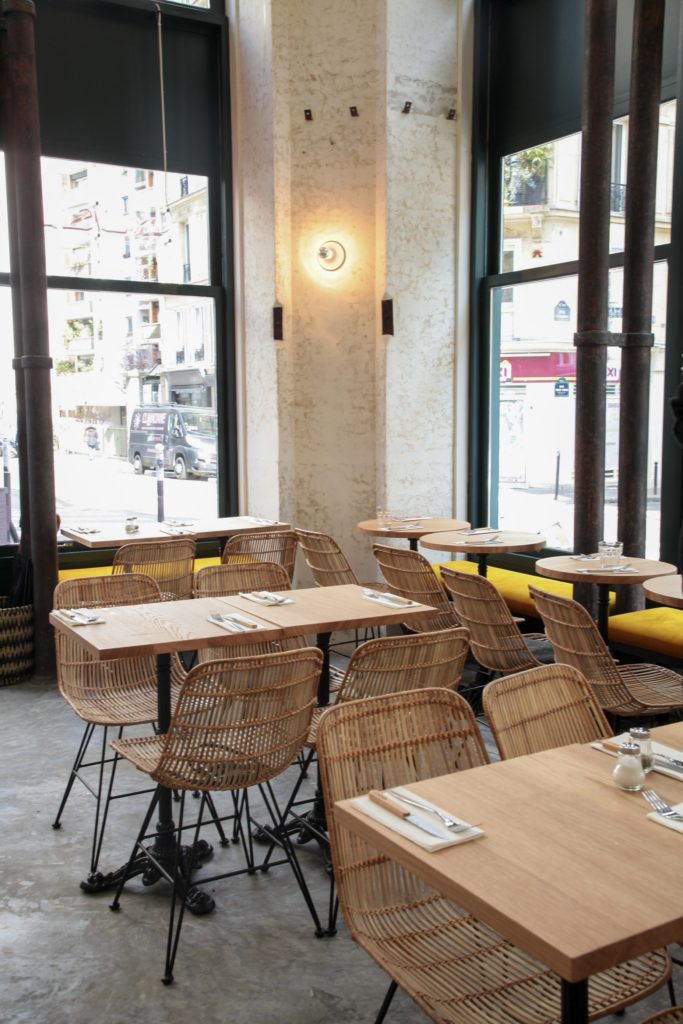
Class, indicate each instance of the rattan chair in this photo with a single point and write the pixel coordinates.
(270, 546)
(672, 1016)
(409, 574)
(226, 580)
(169, 562)
(495, 638)
(326, 560)
(378, 668)
(545, 707)
(625, 691)
(114, 693)
(238, 723)
(457, 970)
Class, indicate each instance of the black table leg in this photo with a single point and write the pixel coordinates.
(164, 849)
(574, 1002)
(483, 567)
(603, 610)
(413, 543)
(323, 642)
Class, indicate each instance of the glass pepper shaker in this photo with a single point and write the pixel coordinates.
(641, 736)
(131, 525)
(628, 773)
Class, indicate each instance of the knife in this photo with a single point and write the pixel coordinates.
(670, 761)
(382, 800)
(402, 602)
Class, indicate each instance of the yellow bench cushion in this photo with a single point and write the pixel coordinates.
(105, 570)
(514, 586)
(652, 629)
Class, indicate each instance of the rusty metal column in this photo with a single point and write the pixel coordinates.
(591, 338)
(22, 150)
(639, 248)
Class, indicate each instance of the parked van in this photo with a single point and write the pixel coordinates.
(187, 432)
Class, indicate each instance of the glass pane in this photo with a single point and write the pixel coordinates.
(533, 411)
(132, 371)
(125, 223)
(9, 483)
(4, 230)
(541, 196)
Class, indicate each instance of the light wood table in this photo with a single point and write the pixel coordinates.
(573, 570)
(665, 590)
(570, 868)
(111, 536)
(413, 529)
(484, 544)
(164, 627)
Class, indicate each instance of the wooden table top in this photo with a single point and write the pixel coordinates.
(570, 868)
(665, 590)
(424, 525)
(136, 630)
(483, 543)
(111, 536)
(566, 567)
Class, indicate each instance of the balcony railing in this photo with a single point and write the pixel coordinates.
(617, 197)
(187, 273)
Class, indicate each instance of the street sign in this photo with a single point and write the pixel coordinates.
(561, 387)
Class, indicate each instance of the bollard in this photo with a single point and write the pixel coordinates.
(160, 482)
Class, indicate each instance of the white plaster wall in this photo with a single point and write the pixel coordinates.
(421, 174)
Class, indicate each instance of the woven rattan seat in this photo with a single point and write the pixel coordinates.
(545, 707)
(116, 692)
(458, 970)
(237, 723)
(409, 574)
(233, 578)
(269, 546)
(169, 562)
(623, 690)
(495, 638)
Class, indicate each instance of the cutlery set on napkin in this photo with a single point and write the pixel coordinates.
(79, 616)
(668, 761)
(266, 597)
(418, 820)
(85, 529)
(392, 600)
(235, 623)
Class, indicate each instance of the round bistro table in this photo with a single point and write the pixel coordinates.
(413, 529)
(573, 569)
(482, 544)
(665, 590)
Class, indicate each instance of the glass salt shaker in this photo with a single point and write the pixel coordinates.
(628, 773)
(641, 736)
(132, 525)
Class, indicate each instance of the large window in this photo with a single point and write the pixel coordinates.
(525, 278)
(137, 259)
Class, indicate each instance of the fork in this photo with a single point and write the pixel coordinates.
(451, 823)
(660, 806)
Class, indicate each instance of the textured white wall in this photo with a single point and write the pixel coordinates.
(339, 419)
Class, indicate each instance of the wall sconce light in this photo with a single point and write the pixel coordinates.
(331, 255)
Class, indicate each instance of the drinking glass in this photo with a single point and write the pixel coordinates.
(610, 553)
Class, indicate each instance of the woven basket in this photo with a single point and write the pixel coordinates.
(16, 643)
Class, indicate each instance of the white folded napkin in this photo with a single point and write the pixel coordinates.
(412, 832)
(677, 826)
(262, 521)
(265, 597)
(657, 748)
(174, 531)
(79, 617)
(85, 529)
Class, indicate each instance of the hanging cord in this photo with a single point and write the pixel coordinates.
(160, 47)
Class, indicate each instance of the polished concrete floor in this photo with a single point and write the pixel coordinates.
(67, 959)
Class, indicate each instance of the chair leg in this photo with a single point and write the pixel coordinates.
(80, 754)
(391, 992)
(180, 886)
(224, 841)
(281, 837)
(98, 802)
(98, 838)
(114, 905)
